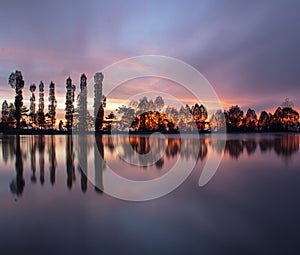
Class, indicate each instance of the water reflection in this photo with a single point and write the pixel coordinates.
(283, 145)
(70, 161)
(92, 149)
(52, 159)
(17, 184)
(41, 147)
(33, 158)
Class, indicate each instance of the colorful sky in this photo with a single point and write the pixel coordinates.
(248, 50)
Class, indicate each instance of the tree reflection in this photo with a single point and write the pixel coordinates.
(174, 147)
(234, 148)
(13, 147)
(17, 185)
(52, 159)
(41, 146)
(82, 156)
(99, 163)
(70, 161)
(285, 145)
(33, 159)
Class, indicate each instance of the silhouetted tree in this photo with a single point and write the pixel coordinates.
(32, 118)
(250, 120)
(82, 104)
(234, 118)
(264, 121)
(16, 82)
(11, 114)
(40, 113)
(5, 112)
(70, 94)
(52, 104)
(99, 101)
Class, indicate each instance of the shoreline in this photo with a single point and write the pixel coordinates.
(75, 132)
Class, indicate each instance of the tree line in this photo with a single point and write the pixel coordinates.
(139, 115)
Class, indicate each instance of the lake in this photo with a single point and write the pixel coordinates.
(51, 198)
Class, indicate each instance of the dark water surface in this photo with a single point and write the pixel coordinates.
(250, 206)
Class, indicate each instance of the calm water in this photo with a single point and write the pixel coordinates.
(250, 206)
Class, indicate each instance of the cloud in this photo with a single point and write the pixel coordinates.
(247, 50)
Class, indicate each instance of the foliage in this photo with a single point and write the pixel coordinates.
(16, 82)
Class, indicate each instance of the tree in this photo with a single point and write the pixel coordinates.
(11, 114)
(143, 105)
(234, 117)
(5, 112)
(172, 112)
(127, 115)
(82, 105)
(32, 118)
(264, 121)
(16, 82)
(70, 95)
(287, 103)
(218, 121)
(40, 113)
(99, 101)
(159, 103)
(52, 105)
(199, 113)
(251, 120)
(133, 104)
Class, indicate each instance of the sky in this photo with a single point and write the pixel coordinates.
(248, 50)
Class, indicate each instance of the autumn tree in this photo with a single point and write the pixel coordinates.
(16, 82)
